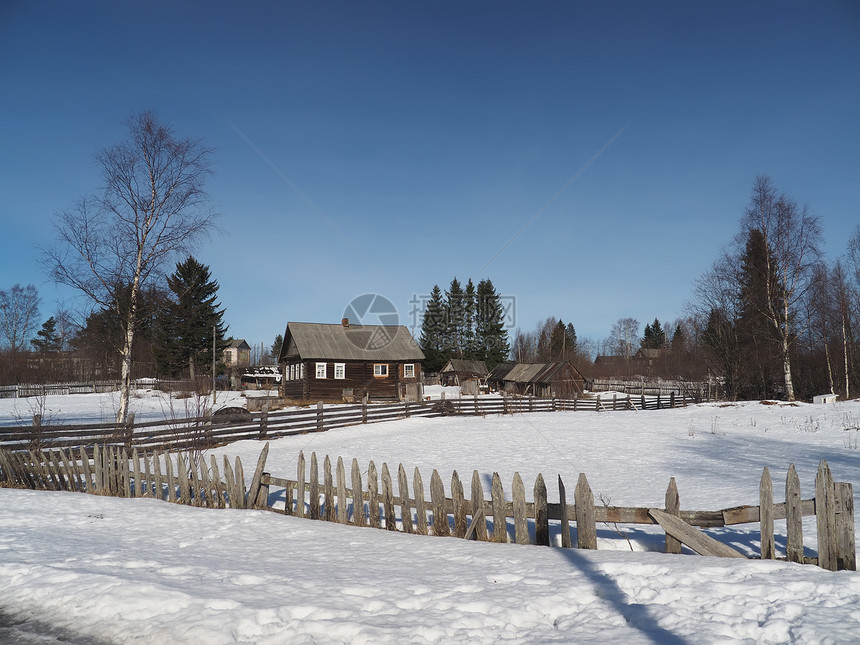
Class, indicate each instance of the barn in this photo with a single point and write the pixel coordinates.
(469, 375)
(346, 362)
(557, 379)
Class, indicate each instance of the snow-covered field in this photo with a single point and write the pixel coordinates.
(93, 569)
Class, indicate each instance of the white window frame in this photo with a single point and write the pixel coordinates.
(408, 367)
(322, 367)
(340, 371)
(292, 372)
(301, 371)
(380, 370)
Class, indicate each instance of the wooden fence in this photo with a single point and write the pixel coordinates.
(373, 500)
(210, 431)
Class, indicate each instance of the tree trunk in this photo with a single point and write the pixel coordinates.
(191, 368)
(786, 367)
(125, 377)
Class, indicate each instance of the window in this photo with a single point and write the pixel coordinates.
(321, 370)
(380, 370)
(292, 372)
(301, 370)
(409, 370)
(340, 370)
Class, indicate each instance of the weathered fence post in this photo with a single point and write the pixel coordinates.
(479, 522)
(846, 555)
(459, 502)
(328, 489)
(405, 507)
(300, 485)
(565, 519)
(364, 409)
(320, 426)
(500, 524)
(586, 529)
(672, 399)
(341, 492)
(825, 517)
(420, 507)
(476, 403)
(793, 517)
(388, 500)
(521, 523)
(437, 503)
(766, 516)
(373, 494)
(673, 507)
(357, 496)
(314, 508)
(541, 513)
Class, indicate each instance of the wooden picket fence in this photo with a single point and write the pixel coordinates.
(198, 433)
(187, 478)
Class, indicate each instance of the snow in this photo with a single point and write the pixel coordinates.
(96, 569)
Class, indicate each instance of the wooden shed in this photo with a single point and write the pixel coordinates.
(346, 362)
(459, 371)
(557, 379)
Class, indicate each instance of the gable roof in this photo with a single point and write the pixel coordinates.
(319, 341)
(238, 343)
(538, 372)
(464, 366)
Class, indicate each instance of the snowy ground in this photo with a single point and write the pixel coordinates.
(92, 569)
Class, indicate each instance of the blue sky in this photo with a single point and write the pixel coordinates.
(430, 134)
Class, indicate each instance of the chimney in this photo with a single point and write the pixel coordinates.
(345, 322)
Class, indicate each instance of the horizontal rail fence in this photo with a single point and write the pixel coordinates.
(24, 390)
(214, 430)
(697, 390)
(374, 497)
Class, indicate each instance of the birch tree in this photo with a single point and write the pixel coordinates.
(791, 237)
(151, 207)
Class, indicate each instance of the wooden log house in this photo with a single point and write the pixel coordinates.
(348, 362)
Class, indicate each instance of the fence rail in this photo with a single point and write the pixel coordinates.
(374, 499)
(213, 430)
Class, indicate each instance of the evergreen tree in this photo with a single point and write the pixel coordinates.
(469, 349)
(654, 337)
(433, 332)
(678, 340)
(758, 282)
(491, 336)
(571, 339)
(48, 340)
(276, 347)
(188, 321)
(455, 315)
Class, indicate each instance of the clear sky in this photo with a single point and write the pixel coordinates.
(424, 137)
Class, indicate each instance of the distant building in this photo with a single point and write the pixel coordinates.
(558, 379)
(469, 375)
(237, 354)
(347, 362)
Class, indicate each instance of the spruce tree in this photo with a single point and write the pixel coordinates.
(276, 347)
(654, 337)
(492, 341)
(433, 329)
(188, 321)
(455, 310)
(469, 349)
(48, 340)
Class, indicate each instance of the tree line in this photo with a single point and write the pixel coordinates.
(466, 322)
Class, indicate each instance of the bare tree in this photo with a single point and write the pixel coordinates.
(19, 308)
(792, 237)
(624, 337)
(151, 207)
